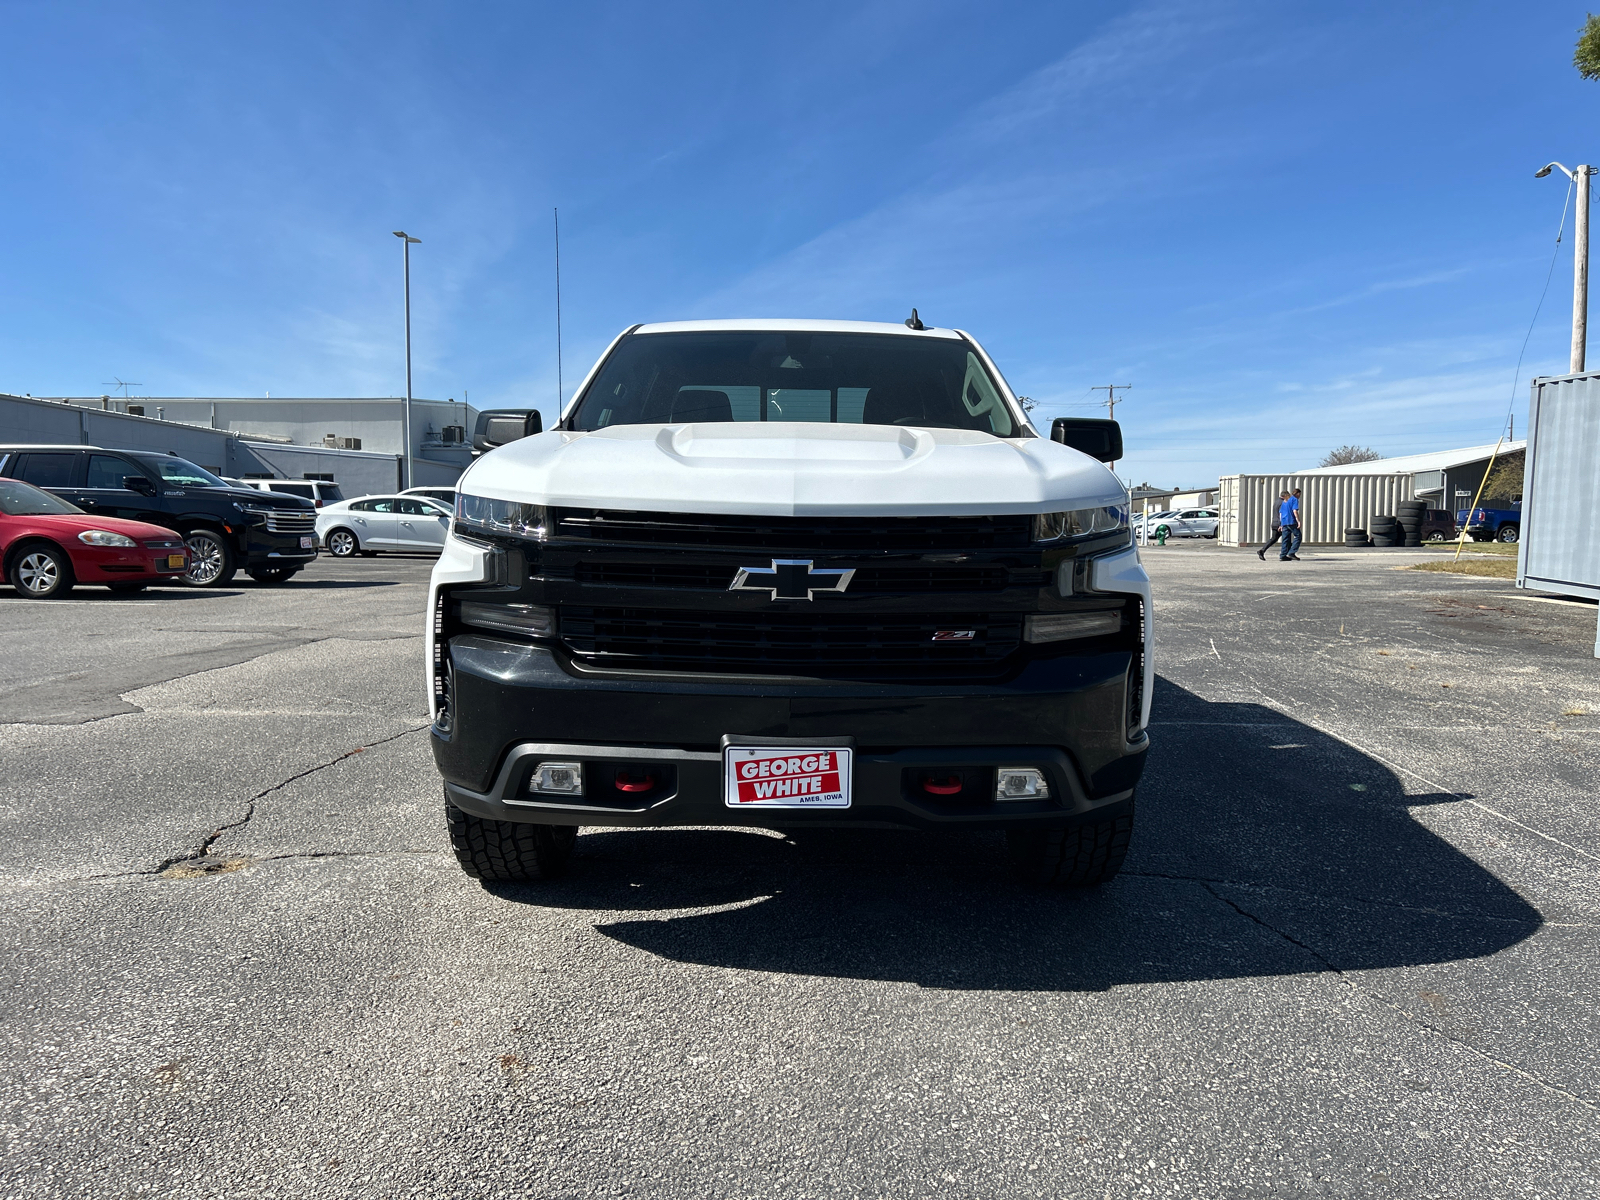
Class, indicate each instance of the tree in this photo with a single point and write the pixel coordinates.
(1345, 455)
(1505, 478)
(1587, 56)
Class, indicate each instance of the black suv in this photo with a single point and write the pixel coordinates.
(270, 535)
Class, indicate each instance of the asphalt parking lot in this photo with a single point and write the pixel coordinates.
(1353, 953)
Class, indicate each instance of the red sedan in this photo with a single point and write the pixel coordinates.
(47, 545)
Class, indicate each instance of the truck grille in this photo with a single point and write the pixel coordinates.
(876, 580)
(796, 533)
(288, 521)
(856, 646)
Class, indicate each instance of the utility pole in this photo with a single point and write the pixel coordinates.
(405, 413)
(1580, 259)
(1111, 390)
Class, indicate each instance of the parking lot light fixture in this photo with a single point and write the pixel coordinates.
(407, 241)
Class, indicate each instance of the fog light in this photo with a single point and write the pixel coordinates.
(533, 620)
(558, 778)
(1020, 783)
(1059, 627)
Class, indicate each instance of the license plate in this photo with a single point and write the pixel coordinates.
(787, 777)
(308, 543)
(175, 562)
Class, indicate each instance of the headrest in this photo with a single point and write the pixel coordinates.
(700, 404)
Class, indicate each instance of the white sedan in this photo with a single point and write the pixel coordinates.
(375, 523)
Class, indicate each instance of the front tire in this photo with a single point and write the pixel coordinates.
(1508, 534)
(211, 562)
(1082, 854)
(508, 851)
(342, 543)
(42, 572)
(1437, 536)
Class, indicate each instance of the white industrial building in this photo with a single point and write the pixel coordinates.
(1447, 479)
(441, 430)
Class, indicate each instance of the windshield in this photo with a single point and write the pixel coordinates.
(180, 472)
(18, 499)
(843, 378)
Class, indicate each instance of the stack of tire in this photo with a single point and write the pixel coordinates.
(1386, 530)
(1410, 514)
(1356, 537)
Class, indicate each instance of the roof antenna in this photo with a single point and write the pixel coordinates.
(914, 321)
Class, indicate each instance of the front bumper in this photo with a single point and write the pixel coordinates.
(885, 785)
(514, 705)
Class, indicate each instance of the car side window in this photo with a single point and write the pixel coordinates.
(361, 506)
(381, 506)
(106, 471)
(408, 508)
(47, 470)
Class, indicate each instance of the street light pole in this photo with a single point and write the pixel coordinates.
(407, 241)
(1580, 259)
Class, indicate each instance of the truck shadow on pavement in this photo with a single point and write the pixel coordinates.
(1261, 847)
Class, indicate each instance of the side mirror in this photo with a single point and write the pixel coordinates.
(498, 428)
(138, 483)
(1095, 436)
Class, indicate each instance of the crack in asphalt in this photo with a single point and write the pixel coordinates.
(1331, 968)
(211, 839)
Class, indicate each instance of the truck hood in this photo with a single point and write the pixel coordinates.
(793, 469)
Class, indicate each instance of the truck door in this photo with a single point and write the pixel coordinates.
(103, 491)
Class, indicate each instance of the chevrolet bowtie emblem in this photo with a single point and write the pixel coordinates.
(791, 579)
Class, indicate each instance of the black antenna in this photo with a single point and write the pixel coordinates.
(914, 321)
(560, 391)
(123, 384)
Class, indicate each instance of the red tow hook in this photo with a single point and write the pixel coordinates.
(627, 783)
(948, 786)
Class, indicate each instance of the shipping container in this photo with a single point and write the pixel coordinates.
(1329, 504)
(1559, 550)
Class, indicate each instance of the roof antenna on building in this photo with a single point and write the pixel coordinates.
(914, 321)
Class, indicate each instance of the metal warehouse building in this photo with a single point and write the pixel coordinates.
(1347, 497)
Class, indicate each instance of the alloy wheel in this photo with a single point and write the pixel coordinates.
(341, 544)
(38, 573)
(205, 560)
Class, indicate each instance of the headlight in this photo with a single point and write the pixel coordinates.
(502, 516)
(1079, 522)
(103, 537)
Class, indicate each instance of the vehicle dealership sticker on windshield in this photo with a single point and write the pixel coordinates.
(807, 777)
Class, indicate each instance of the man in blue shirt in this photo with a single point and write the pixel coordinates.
(1277, 529)
(1293, 533)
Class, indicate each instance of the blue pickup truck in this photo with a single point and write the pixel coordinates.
(1491, 524)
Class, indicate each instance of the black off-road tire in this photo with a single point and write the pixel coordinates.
(1083, 854)
(508, 851)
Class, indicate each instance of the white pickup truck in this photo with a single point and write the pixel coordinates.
(788, 573)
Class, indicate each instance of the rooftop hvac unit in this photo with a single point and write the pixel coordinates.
(453, 435)
(332, 442)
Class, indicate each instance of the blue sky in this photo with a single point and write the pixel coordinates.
(1288, 226)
